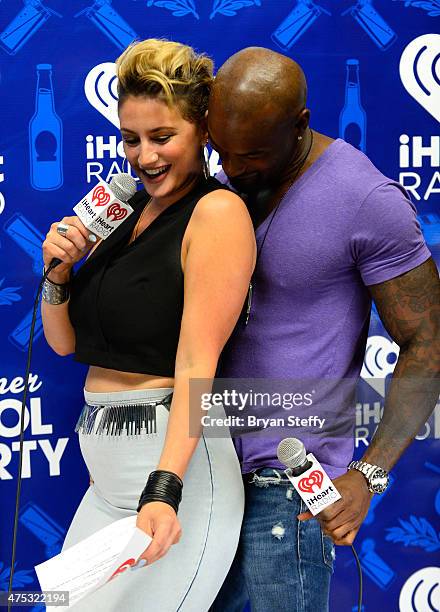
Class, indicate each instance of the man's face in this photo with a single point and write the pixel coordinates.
(255, 151)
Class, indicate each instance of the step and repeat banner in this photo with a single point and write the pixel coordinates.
(373, 69)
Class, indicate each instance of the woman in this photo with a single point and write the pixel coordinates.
(150, 309)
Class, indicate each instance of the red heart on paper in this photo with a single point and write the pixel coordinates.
(124, 566)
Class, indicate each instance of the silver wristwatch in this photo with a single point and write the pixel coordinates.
(376, 477)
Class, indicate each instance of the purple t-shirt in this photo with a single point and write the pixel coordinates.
(342, 226)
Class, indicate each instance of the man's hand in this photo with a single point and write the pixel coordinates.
(342, 520)
(160, 522)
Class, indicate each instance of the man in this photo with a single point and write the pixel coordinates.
(333, 233)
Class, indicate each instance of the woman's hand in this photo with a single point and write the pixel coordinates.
(70, 249)
(159, 521)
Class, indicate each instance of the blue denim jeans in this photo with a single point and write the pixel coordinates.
(281, 564)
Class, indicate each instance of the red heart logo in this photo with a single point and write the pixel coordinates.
(314, 479)
(100, 195)
(116, 212)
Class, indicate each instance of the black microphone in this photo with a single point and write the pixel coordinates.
(123, 187)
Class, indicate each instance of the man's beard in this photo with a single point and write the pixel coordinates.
(257, 201)
(246, 187)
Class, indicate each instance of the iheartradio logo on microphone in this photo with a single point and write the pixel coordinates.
(314, 480)
(100, 197)
(101, 211)
(314, 486)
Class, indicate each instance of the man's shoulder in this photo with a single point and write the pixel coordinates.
(348, 170)
(352, 159)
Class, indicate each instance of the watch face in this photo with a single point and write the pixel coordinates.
(379, 481)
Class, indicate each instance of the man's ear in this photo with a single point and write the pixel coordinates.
(303, 121)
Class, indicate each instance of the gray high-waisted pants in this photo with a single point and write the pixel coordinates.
(189, 576)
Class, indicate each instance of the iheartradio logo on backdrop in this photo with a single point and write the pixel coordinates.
(101, 89)
(420, 72)
(379, 361)
(104, 152)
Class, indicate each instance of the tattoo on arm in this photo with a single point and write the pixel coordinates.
(409, 307)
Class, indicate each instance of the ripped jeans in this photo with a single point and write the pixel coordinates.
(281, 564)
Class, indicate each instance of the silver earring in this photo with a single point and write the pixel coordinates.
(205, 162)
(300, 137)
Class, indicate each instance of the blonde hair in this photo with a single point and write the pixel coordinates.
(169, 70)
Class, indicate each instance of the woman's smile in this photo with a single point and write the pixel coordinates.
(162, 147)
(156, 175)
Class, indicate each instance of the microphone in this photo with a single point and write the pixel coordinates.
(312, 483)
(292, 453)
(307, 475)
(104, 208)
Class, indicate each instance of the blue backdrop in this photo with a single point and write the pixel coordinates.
(374, 78)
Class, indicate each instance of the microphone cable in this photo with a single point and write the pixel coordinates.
(123, 187)
(291, 453)
(359, 568)
(52, 265)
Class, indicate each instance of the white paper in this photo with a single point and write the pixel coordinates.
(91, 563)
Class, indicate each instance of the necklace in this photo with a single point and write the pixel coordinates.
(274, 212)
(136, 227)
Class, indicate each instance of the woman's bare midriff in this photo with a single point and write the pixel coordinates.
(102, 380)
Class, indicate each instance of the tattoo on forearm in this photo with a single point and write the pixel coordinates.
(409, 307)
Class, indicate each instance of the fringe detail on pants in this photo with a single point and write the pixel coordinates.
(122, 419)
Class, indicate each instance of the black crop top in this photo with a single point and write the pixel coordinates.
(126, 300)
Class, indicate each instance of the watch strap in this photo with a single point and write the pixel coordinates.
(368, 470)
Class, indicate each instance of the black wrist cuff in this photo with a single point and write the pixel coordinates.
(163, 486)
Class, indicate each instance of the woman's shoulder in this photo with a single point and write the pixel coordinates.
(219, 199)
(223, 214)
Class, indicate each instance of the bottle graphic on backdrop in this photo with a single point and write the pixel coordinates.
(29, 239)
(297, 22)
(105, 17)
(45, 135)
(372, 23)
(353, 119)
(24, 25)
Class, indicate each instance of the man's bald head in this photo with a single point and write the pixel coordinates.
(259, 80)
(257, 120)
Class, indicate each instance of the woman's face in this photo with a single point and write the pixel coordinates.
(162, 147)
